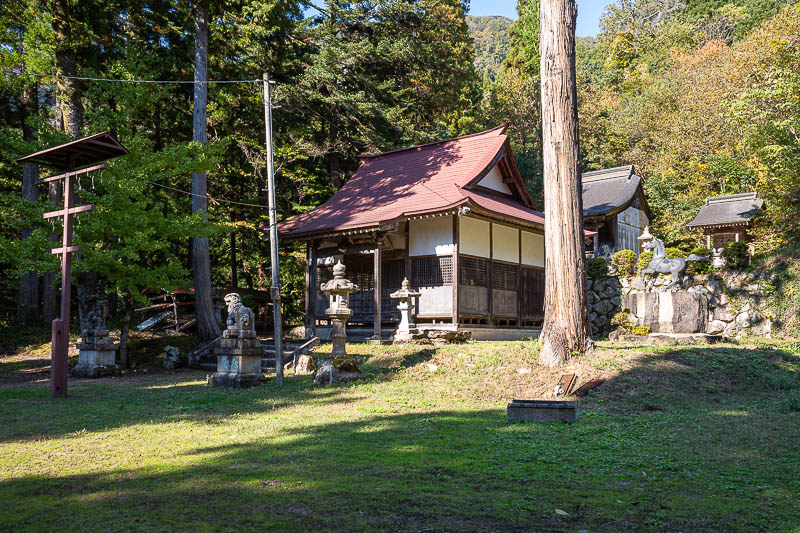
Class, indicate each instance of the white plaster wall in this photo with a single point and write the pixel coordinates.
(532, 249)
(473, 237)
(494, 180)
(431, 236)
(435, 300)
(505, 243)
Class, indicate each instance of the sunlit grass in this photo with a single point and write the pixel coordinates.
(678, 438)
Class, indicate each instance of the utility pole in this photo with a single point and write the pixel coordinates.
(275, 291)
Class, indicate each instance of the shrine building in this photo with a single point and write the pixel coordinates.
(454, 217)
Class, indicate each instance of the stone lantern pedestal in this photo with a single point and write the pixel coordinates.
(97, 352)
(239, 352)
(97, 356)
(338, 367)
(407, 329)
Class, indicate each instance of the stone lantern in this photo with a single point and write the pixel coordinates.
(407, 329)
(338, 290)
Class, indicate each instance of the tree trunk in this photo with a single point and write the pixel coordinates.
(234, 273)
(207, 328)
(29, 282)
(566, 324)
(68, 92)
(123, 335)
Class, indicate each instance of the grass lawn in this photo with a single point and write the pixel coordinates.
(685, 438)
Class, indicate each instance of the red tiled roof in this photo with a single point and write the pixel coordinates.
(428, 178)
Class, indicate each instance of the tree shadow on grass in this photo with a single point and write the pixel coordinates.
(437, 471)
(695, 464)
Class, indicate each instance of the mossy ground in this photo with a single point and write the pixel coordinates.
(677, 439)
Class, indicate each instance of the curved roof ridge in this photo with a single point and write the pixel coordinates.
(497, 130)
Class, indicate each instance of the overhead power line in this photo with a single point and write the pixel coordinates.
(120, 80)
(206, 196)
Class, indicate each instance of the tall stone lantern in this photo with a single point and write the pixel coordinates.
(338, 290)
(407, 329)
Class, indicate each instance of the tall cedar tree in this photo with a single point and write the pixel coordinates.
(566, 322)
(207, 328)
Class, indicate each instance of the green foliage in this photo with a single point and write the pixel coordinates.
(701, 267)
(597, 268)
(624, 261)
(783, 274)
(736, 255)
(643, 261)
(673, 251)
(705, 101)
(491, 43)
(621, 319)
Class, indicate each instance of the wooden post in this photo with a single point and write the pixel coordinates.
(708, 241)
(566, 323)
(455, 270)
(377, 290)
(489, 274)
(60, 327)
(596, 240)
(311, 290)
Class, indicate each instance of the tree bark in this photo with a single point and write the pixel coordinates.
(566, 324)
(29, 282)
(207, 328)
(123, 335)
(68, 92)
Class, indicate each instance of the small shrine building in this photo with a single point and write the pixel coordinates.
(453, 217)
(726, 219)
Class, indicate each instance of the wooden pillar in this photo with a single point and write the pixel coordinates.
(311, 290)
(596, 239)
(60, 327)
(737, 236)
(377, 290)
(708, 241)
(519, 278)
(489, 274)
(455, 270)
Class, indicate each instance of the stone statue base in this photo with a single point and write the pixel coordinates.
(97, 356)
(669, 312)
(239, 355)
(337, 370)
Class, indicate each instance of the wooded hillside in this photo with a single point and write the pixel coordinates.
(703, 96)
(491, 42)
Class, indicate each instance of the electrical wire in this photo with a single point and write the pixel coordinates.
(117, 80)
(206, 196)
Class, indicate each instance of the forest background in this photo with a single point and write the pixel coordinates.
(703, 96)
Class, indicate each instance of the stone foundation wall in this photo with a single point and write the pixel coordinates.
(736, 300)
(604, 300)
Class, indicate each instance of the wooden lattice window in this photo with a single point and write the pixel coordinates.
(324, 274)
(505, 277)
(431, 271)
(473, 272)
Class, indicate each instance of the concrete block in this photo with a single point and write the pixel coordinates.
(542, 411)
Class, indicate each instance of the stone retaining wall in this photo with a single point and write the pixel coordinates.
(736, 300)
(604, 301)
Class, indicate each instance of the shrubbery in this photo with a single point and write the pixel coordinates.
(701, 267)
(624, 262)
(673, 251)
(597, 268)
(644, 260)
(737, 255)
